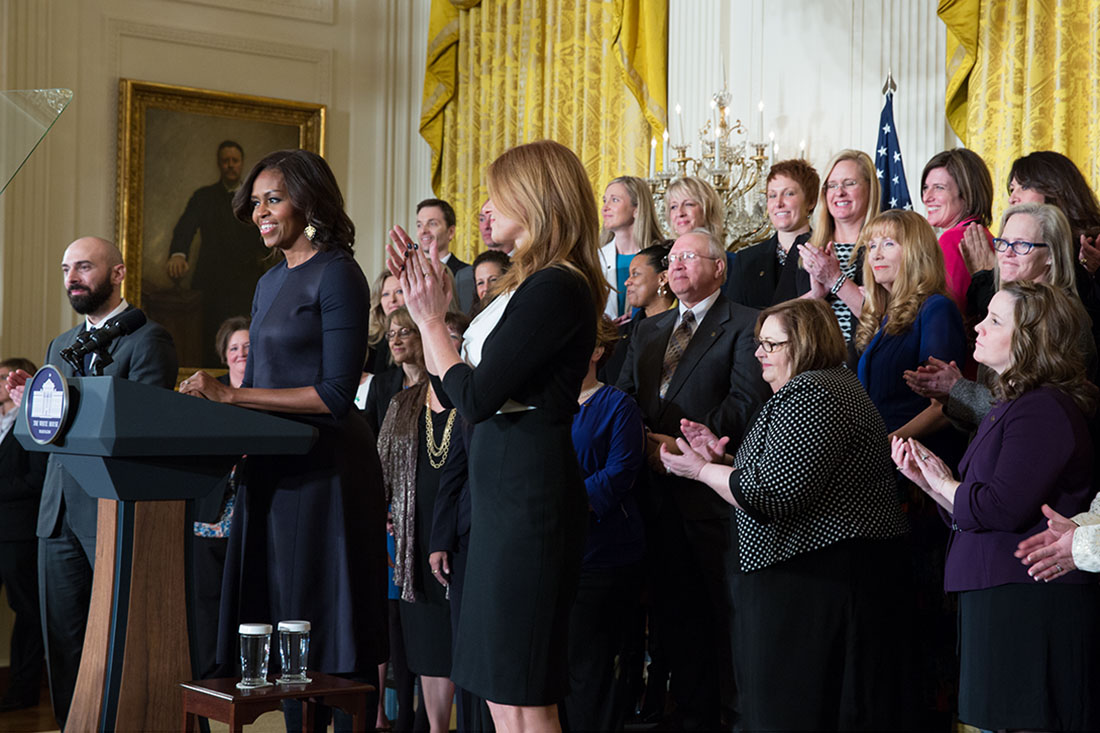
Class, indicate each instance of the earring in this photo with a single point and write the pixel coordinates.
(662, 290)
(311, 232)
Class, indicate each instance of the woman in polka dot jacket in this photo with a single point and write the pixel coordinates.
(820, 537)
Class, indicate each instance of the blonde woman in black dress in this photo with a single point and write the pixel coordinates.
(526, 356)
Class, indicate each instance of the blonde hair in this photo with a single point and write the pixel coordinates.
(543, 187)
(921, 274)
(702, 193)
(824, 226)
(377, 324)
(644, 231)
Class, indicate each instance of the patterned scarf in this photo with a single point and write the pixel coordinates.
(398, 450)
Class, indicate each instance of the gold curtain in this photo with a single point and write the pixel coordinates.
(1022, 76)
(590, 74)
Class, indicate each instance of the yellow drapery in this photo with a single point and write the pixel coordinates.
(1022, 77)
(590, 74)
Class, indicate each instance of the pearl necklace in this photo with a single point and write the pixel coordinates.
(586, 394)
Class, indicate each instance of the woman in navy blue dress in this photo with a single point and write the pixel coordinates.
(308, 535)
(527, 353)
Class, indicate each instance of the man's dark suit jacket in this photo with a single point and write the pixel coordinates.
(717, 383)
(21, 476)
(147, 355)
(757, 280)
(464, 282)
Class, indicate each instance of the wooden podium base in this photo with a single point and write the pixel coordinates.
(135, 646)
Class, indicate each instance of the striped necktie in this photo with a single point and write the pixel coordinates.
(677, 344)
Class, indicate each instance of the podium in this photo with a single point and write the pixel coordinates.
(143, 451)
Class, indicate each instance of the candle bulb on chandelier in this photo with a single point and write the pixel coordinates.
(652, 156)
(665, 150)
(680, 119)
(760, 109)
(802, 149)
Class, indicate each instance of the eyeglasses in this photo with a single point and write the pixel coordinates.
(403, 333)
(847, 184)
(684, 257)
(769, 346)
(1020, 248)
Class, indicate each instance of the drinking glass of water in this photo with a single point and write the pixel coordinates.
(255, 652)
(293, 652)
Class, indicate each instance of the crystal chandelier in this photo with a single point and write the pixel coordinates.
(731, 164)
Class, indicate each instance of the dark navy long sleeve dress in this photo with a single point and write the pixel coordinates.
(308, 536)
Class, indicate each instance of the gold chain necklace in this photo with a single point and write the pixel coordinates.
(437, 451)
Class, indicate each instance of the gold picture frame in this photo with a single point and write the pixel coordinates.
(169, 147)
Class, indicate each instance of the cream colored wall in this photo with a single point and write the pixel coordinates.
(819, 67)
(364, 59)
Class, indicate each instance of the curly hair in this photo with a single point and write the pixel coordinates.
(312, 190)
(377, 317)
(921, 274)
(1047, 318)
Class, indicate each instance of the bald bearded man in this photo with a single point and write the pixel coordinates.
(93, 271)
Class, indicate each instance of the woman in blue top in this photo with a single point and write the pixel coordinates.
(308, 534)
(609, 436)
(906, 318)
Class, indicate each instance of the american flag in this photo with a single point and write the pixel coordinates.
(888, 165)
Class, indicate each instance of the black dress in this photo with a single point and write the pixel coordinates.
(426, 622)
(308, 534)
(529, 508)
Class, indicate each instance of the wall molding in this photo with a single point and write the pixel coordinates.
(318, 11)
(321, 58)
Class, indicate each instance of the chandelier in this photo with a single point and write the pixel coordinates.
(731, 164)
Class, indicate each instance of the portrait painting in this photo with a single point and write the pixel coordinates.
(191, 263)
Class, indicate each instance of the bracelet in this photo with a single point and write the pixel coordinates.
(838, 284)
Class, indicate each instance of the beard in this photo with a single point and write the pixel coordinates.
(90, 302)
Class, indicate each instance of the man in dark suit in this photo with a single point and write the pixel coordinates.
(436, 222)
(21, 476)
(93, 272)
(694, 362)
(231, 256)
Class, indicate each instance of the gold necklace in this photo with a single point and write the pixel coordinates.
(437, 451)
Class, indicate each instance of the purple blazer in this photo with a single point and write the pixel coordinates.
(1031, 451)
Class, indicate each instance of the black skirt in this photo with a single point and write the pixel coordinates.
(529, 515)
(820, 640)
(1030, 657)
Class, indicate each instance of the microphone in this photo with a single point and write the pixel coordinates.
(100, 338)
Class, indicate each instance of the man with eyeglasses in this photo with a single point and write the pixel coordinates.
(694, 362)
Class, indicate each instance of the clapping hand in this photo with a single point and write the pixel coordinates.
(1049, 553)
(1089, 254)
(16, 383)
(427, 290)
(933, 380)
(975, 250)
(703, 441)
(822, 264)
(925, 469)
(687, 463)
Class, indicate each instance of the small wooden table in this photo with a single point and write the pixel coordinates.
(221, 700)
